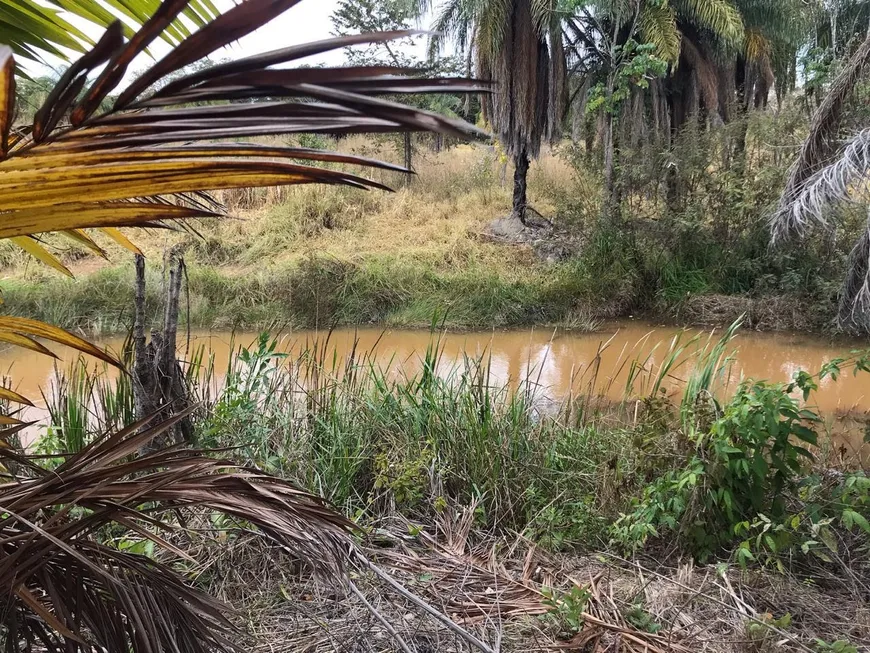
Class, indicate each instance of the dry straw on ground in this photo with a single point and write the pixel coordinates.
(502, 594)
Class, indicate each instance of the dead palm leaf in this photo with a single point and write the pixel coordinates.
(817, 184)
(66, 590)
(794, 212)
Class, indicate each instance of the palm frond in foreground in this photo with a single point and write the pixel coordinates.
(64, 590)
(150, 158)
(154, 153)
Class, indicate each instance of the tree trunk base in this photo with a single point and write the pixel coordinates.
(159, 386)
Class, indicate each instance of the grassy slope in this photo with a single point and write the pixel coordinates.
(324, 256)
(318, 255)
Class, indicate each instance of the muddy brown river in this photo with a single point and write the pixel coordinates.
(556, 362)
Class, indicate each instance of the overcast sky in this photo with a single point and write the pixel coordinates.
(307, 21)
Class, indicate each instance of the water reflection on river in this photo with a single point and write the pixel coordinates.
(559, 362)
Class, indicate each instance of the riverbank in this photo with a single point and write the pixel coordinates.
(320, 292)
(323, 256)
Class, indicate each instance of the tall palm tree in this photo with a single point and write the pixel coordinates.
(518, 44)
(827, 175)
(719, 50)
(148, 158)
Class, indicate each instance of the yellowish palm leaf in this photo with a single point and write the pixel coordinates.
(658, 25)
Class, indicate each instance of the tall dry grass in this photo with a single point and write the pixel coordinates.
(436, 216)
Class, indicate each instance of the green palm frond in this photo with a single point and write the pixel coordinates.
(785, 20)
(721, 17)
(33, 29)
(493, 25)
(658, 25)
(454, 23)
(544, 12)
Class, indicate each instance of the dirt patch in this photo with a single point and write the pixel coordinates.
(550, 244)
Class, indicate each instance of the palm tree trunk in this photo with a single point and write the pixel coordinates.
(408, 152)
(158, 382)
(610, 191)
(521, 173)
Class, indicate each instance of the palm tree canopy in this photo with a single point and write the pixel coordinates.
(519, 46)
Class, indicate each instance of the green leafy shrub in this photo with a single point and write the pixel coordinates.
(749, 480)
(565, 609)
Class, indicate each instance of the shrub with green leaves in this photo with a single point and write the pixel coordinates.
(749, 480)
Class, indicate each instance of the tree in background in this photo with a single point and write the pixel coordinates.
(30, 94)
(518, 44)
(840, 25)
(353, 17)
(692, 63)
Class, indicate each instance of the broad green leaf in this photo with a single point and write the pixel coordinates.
(851, 517)
(807, 435)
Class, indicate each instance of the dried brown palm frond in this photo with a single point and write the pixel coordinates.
(843, 180)
(816, 184)
(790, 220)
(64, 589)
(520, 46)
(150, 158)
(854, 311)
(705, 71)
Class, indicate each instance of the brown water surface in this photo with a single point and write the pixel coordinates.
(558, 362)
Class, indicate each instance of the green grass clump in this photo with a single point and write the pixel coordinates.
(314, 292)
(370, 442)
(738, 476)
